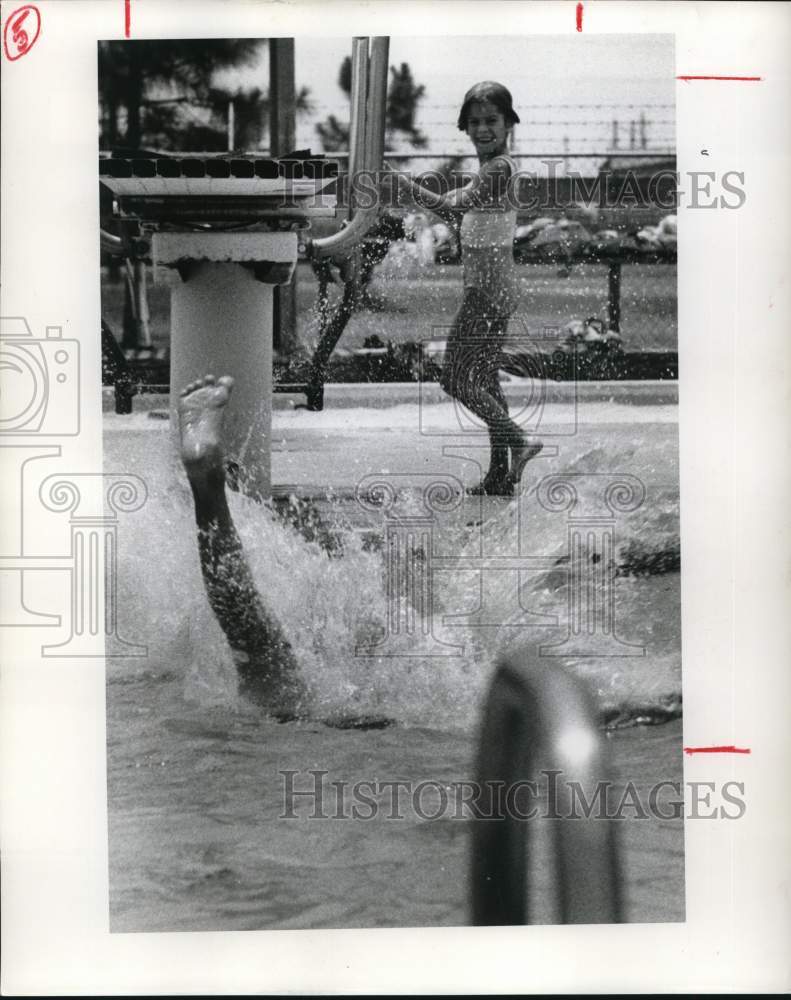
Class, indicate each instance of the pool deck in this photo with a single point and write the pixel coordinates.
(406, 429)
(385, 394)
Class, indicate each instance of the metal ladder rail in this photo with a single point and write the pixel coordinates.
(539, 713)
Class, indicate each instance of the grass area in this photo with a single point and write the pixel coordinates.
(417, 303)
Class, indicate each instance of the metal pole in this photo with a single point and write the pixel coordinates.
(359, 122)
(339, 245)
(141, 304)
(366, 139)
(359, 133)
(282, 140)
(377, 101)
(231, 128)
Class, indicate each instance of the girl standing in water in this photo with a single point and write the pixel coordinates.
(474, 347)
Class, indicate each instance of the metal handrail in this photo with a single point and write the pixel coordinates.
(367, 134)
(111, 244)
(376, 104)
(537, 712)
(359, 106)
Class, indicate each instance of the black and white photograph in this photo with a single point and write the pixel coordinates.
(393, 348)
(393, 421)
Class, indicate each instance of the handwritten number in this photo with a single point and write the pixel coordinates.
(18, 33)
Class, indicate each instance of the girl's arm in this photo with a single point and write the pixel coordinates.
(487, 189)
(413, 194)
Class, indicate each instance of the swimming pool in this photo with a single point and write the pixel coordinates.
(196, 779)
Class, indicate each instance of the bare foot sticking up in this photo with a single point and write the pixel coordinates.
(201, 409)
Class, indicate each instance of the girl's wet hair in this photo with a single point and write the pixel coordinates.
(496, 94)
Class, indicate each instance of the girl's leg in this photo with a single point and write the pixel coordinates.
(490, 383)
(487, 380)
(265, 662)
(521, 448)
(470, 374)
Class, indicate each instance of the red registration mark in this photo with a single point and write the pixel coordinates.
(21, 30)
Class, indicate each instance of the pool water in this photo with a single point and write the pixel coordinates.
(195, 783)
(196, 842)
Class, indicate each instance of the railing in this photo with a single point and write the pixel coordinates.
(537, 714)
(369, 97)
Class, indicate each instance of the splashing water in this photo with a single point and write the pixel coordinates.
(334, 605)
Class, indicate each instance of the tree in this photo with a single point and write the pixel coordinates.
(166, 92)
(162, 94)
(403, 97)
(133, 76)
(334, 135)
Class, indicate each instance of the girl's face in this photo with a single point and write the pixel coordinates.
(487, 129)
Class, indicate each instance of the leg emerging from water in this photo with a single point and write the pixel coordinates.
(266, 665)
(470, 375)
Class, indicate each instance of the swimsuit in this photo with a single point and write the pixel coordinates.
(487, 253)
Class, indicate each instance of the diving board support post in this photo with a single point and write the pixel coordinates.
(140, 298)
(221, 323)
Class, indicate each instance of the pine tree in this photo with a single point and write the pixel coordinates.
(403, 97)
(166, 90)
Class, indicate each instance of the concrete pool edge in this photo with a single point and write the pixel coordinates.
(380, 395)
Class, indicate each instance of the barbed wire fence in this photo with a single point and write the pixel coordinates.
(600, 129)
(560, 139)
